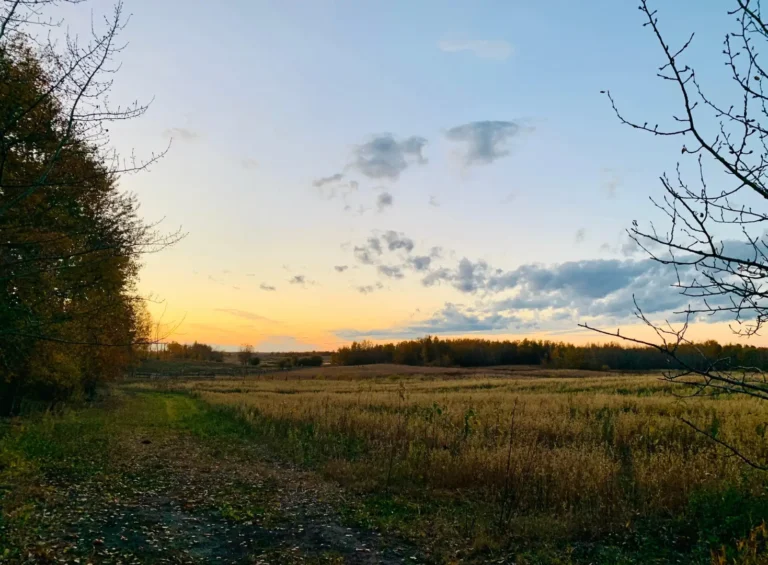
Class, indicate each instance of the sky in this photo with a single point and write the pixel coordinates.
(368, 170)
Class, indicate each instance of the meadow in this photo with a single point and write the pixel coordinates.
(555, 466)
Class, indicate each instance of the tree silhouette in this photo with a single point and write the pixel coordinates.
(714, 203)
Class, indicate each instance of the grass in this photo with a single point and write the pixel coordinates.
(159, 476)
(470, 467)
(584, 469)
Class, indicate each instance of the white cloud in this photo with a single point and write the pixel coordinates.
(484, 48)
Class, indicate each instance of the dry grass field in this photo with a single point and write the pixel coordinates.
(519, 457)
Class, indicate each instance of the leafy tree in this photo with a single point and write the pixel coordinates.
(70, 240)
(254, 361)
(245, 354)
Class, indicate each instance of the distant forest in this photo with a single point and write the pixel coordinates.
(432, 351)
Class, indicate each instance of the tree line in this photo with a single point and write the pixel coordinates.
(192, 352)
(70, 239)
(433, 351)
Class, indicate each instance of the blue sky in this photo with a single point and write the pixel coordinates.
(505, 155)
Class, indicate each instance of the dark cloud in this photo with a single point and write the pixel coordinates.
(322, 181)
(396, 241)
(484, 141)
(420, 263)
(589, 288)
(384, 157)
(341, 268)
(265, 286)
(383, 201)
(246, 315)
(391, 271)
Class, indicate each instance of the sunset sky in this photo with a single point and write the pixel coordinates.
(350, 170)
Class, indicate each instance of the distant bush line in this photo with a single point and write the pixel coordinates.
(432, 351)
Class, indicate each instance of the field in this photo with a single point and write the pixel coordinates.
(507, 465)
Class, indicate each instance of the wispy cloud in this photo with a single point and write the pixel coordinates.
(369, 288)
(453, 319)
(249, 163)
(610, 182)
(246, 315)
(368, 253)
(484, 48)
(267, 287)
(341, 268)
(301, 280)
(181, 133)
(322, 181)
(391, 272)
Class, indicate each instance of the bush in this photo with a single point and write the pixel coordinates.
(313, 361)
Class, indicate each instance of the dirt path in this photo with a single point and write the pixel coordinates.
(168, 496)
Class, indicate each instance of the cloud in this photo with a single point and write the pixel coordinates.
(384, 157)
(433, 201)
(451, 319)
(630, 247)
(420, 263)
(249, 163)
(246, 315)
(396, 241)
(321, 182)
(485, 141)
(483, 48)
(580, 236)
(265, 286)
(591, 288)
(368, 289)
(368, 254)
(611, 181)
(341, 268)
(301, 280)
(467, 277)
(391, 271)
(181, 133)
(383, 201)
